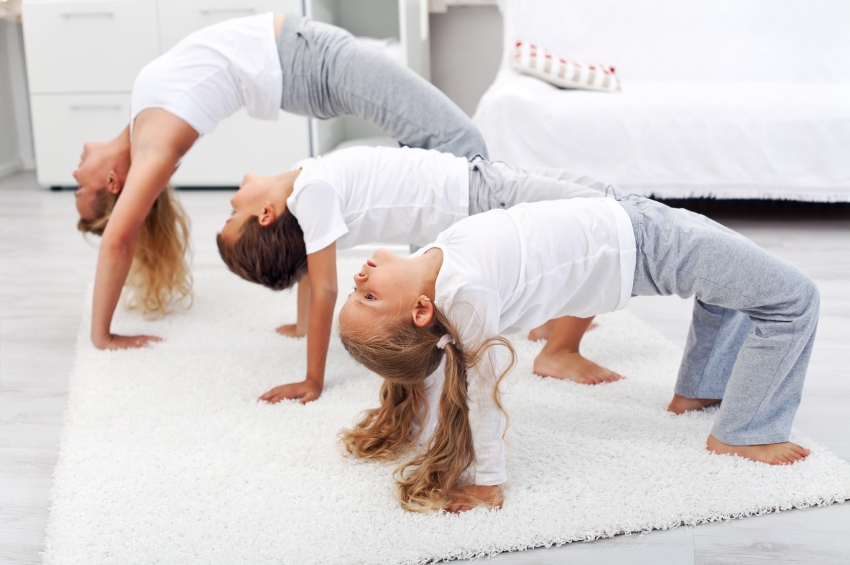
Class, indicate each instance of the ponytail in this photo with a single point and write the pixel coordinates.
(159, 276)
(405, 357)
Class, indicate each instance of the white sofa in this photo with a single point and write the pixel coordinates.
(721, 98)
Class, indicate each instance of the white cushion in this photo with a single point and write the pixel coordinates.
(756, 140)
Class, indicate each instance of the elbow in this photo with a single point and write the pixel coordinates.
(117, 245)
(330, 291)
(325, 291)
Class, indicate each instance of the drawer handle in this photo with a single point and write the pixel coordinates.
(69, 15)
(207, 11)
(77, 107)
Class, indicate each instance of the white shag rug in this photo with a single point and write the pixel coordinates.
(167, 457)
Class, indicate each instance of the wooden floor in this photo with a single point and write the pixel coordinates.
(45, 267)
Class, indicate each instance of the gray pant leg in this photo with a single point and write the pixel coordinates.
(714, 340)
(686, 254)
(495, 185)
(607, 189)
(328, 73)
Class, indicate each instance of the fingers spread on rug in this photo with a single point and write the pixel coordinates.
(290, 330)
(128, 341)
(476, 495)
(306, 390)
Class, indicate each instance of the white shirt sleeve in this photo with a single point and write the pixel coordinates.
(318, 208)
(478, 308)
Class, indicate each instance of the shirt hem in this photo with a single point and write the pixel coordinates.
(315, 246)
(628, 256)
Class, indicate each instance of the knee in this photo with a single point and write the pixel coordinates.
(814, 294)
(477, 144)
(808, 296)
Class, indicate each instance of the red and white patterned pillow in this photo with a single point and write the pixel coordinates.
(538, 62)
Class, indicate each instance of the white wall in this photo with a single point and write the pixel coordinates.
(16, 150)
(466, 50)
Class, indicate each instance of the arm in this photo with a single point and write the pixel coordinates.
(488, 424)
(321, 266)
(154, 159)
(299, 328)
(488, 427)
(486, 418)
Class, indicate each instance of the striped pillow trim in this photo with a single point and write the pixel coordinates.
(538, 62)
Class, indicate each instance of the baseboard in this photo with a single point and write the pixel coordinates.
(735, 191)
(10, 167)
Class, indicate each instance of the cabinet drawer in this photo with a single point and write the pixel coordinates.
(242, 144)
(62, 123)
(179, 19)
(88, 46)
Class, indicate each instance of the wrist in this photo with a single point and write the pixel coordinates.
(100, 340)
(318, 381)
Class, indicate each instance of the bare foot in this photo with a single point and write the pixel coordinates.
(544, 331)
(541, 332)
(290, 330)
(680, 404)
(784, 453)
(570, 365)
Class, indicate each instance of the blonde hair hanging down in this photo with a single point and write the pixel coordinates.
(159, 277)
(405, 356)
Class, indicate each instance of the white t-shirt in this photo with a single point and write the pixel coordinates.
(213, 72)
(507, 271)
(389, 194)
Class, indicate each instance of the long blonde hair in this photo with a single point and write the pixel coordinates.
(159, 277)
(405, 356)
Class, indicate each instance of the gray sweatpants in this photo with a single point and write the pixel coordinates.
(494, 185)
(328, 73)
(754, 318)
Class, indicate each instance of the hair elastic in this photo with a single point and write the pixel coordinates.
(444, 341)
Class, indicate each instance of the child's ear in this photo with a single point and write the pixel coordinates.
(423, 311)
(113, 185)
(268, 215)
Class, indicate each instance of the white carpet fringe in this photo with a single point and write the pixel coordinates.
(166, 457)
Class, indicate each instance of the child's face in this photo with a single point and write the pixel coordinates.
(384, 288)
(255, 197)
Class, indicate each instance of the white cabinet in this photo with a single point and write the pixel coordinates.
(61, 123)
(88, 46)
(242, 144)
(83, 56)
(82, 59)
(179, 18)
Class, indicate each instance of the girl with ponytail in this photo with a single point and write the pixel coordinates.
(393, 325)
(407, 359)
(506, 271)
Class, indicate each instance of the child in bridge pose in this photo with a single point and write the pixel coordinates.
(286, 229)
(751, 336)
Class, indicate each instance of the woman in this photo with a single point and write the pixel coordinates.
(265, 63)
